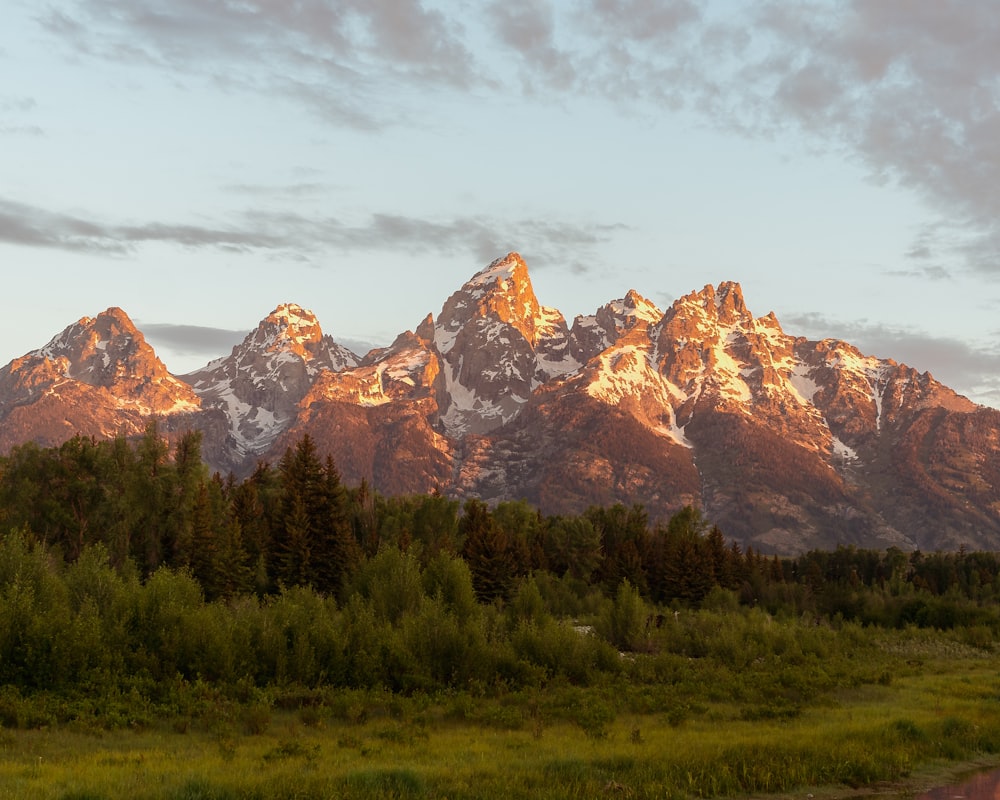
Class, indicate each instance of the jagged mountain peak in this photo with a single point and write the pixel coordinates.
(97, 375)
(500, 270)
(641, 306)
(632, 309)
(498, 344)
(729, 302)
(788, 443)
(723, 304)
(290, 333)
(101, 350)
(501, 291)
(425, 330)
(405, 370)
(289, 327)
(259, 385)
(596, 332)
(113, 322)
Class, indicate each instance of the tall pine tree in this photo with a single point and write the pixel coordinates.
(313, 541)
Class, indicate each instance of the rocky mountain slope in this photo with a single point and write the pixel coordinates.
(786, 443)
(257, 388)
(98, 377)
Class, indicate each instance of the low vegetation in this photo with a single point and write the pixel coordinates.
(427, 653)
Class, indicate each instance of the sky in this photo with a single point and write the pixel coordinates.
(199, 162)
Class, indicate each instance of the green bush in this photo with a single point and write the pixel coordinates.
(623, 622)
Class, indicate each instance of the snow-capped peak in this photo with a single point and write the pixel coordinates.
(108, 351)
(498, 271)
(501, 292)
(289, 327)
(97, 332)
(259, 385)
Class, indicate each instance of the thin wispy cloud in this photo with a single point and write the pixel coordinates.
(341, 52)
(30, 226)
(290, 190)
(10, 104)
(13, 110)
(303, 236)
(907, 89)
(905, 92)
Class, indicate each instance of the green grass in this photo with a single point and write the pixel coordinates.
(565, 743)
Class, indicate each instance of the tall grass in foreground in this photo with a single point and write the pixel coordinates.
(565, 742)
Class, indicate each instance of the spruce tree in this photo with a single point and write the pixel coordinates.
(314, 543)
(487, 552)
(335, 550)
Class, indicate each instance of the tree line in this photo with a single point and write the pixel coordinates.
(295, 524)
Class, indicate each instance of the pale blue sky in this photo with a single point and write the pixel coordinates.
(198, 162)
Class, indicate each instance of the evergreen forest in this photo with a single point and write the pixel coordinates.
(135, 587)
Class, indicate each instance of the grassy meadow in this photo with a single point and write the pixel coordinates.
(496, 655)
(882, 709)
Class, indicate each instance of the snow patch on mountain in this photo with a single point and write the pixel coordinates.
(842, 452)
(727, 372)
(259, 385)
(802, 386)
(628, 372)
(468, 412)
(495, 273)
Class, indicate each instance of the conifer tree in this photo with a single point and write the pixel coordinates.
(487, 552)
(314, 542)
(335, 550)
(252, 519)
(624, 540)
(148, 493)
(720, 559)
(572, 546)
(203, 556)
(364, 518)
(292, 559)
(435, 524)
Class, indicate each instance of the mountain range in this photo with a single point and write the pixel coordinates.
(786, 443)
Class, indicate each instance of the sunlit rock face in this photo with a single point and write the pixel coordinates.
(98, 377)
(788, 444)
(259, 385)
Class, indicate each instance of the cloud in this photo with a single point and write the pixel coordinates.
(483, 238)
(908, 89)
(344, 53)
(971, 370)
(34, 227)
(544, 243)
(30, 226)
(528, 28)
(191, 340)
(930, 272)
(292, 190)
(303, 237)
(21, 130)
(15, 106)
